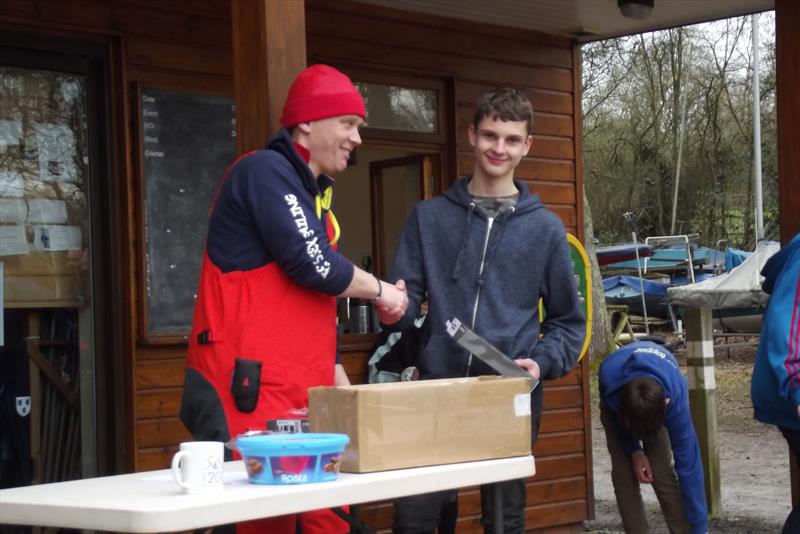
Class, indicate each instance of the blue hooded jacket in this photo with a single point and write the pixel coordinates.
(644, 358)
(775, 388)
(490, 273)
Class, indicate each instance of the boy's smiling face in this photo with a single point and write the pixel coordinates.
(499, 146)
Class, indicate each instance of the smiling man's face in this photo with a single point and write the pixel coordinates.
(331, 141)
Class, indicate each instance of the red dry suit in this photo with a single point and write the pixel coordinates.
(264, 327)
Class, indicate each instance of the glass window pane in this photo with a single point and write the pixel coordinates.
(399, 108)
(45, 250)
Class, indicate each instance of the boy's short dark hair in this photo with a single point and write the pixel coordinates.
(506, 104)
(642, 407)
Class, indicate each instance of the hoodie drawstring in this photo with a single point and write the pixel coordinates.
(500, 222)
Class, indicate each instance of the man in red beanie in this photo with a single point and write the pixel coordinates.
(264, 327)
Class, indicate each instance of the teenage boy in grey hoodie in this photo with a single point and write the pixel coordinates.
(485, 252)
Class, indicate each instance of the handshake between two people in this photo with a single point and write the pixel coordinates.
(390, 300)
(392, 303)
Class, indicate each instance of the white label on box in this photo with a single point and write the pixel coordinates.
(522, 404)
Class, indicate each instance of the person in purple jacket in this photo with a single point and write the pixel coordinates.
(644, 409)
(775, 387)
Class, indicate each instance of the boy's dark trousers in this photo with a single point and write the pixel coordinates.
(423, 514)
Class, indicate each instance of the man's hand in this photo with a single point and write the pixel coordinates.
(392, 304)
(641, 468)
(531, 366)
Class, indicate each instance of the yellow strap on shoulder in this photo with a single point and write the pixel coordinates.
(323, 202)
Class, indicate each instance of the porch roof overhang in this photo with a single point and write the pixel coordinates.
(582, 20)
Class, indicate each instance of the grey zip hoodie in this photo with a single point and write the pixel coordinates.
(490, 273)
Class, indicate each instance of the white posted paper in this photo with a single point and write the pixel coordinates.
(13, 240)
(46, 211)
(56, 237)
(10, 132)
(13, 210)
(11, 185)
(56, 144)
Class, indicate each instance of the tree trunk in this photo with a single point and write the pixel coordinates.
(601, 326)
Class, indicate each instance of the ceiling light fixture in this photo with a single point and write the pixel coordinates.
(635, 9)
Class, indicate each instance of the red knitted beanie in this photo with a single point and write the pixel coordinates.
(320, 92)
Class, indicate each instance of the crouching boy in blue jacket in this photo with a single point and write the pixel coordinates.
(644, 408)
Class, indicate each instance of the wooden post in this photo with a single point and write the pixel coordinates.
(703, 400)
(269, 49)
(32, 333)
(787, 71)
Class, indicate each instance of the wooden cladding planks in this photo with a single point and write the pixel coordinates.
(178, 56)
(163, 432)
(545, 122)
(359, 26)
(159, 374)
(542, 99)
(559, 443)
(186, 28)
(78, 13)
(473, 69)
(161, 402)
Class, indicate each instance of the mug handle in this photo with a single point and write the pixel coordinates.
(176, 468)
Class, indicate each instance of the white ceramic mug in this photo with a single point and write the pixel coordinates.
(197, 467)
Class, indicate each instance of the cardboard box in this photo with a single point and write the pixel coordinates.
(429, 422)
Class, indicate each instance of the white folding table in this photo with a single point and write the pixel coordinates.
(152, 502)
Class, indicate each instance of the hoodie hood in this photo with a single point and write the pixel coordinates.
(459, 194)
(282, 143)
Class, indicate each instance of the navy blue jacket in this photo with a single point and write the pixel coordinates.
(490, 275)
(264, 212)
(644, 358)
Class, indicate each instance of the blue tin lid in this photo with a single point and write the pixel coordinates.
(290, 444)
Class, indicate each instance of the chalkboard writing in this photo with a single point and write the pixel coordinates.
(188, 140)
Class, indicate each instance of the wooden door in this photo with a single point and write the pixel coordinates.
(396, 185)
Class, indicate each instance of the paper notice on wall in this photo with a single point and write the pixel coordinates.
(56, 237)
(10, 134)
(56, 146)
(13, 240)
(11, 184)
(13, 210)
(46, 211)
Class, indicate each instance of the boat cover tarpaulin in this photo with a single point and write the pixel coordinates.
(740, 288)
(627, 290)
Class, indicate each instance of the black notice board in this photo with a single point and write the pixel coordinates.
(187, 142)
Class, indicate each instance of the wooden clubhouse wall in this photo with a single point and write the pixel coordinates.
(186, 44)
